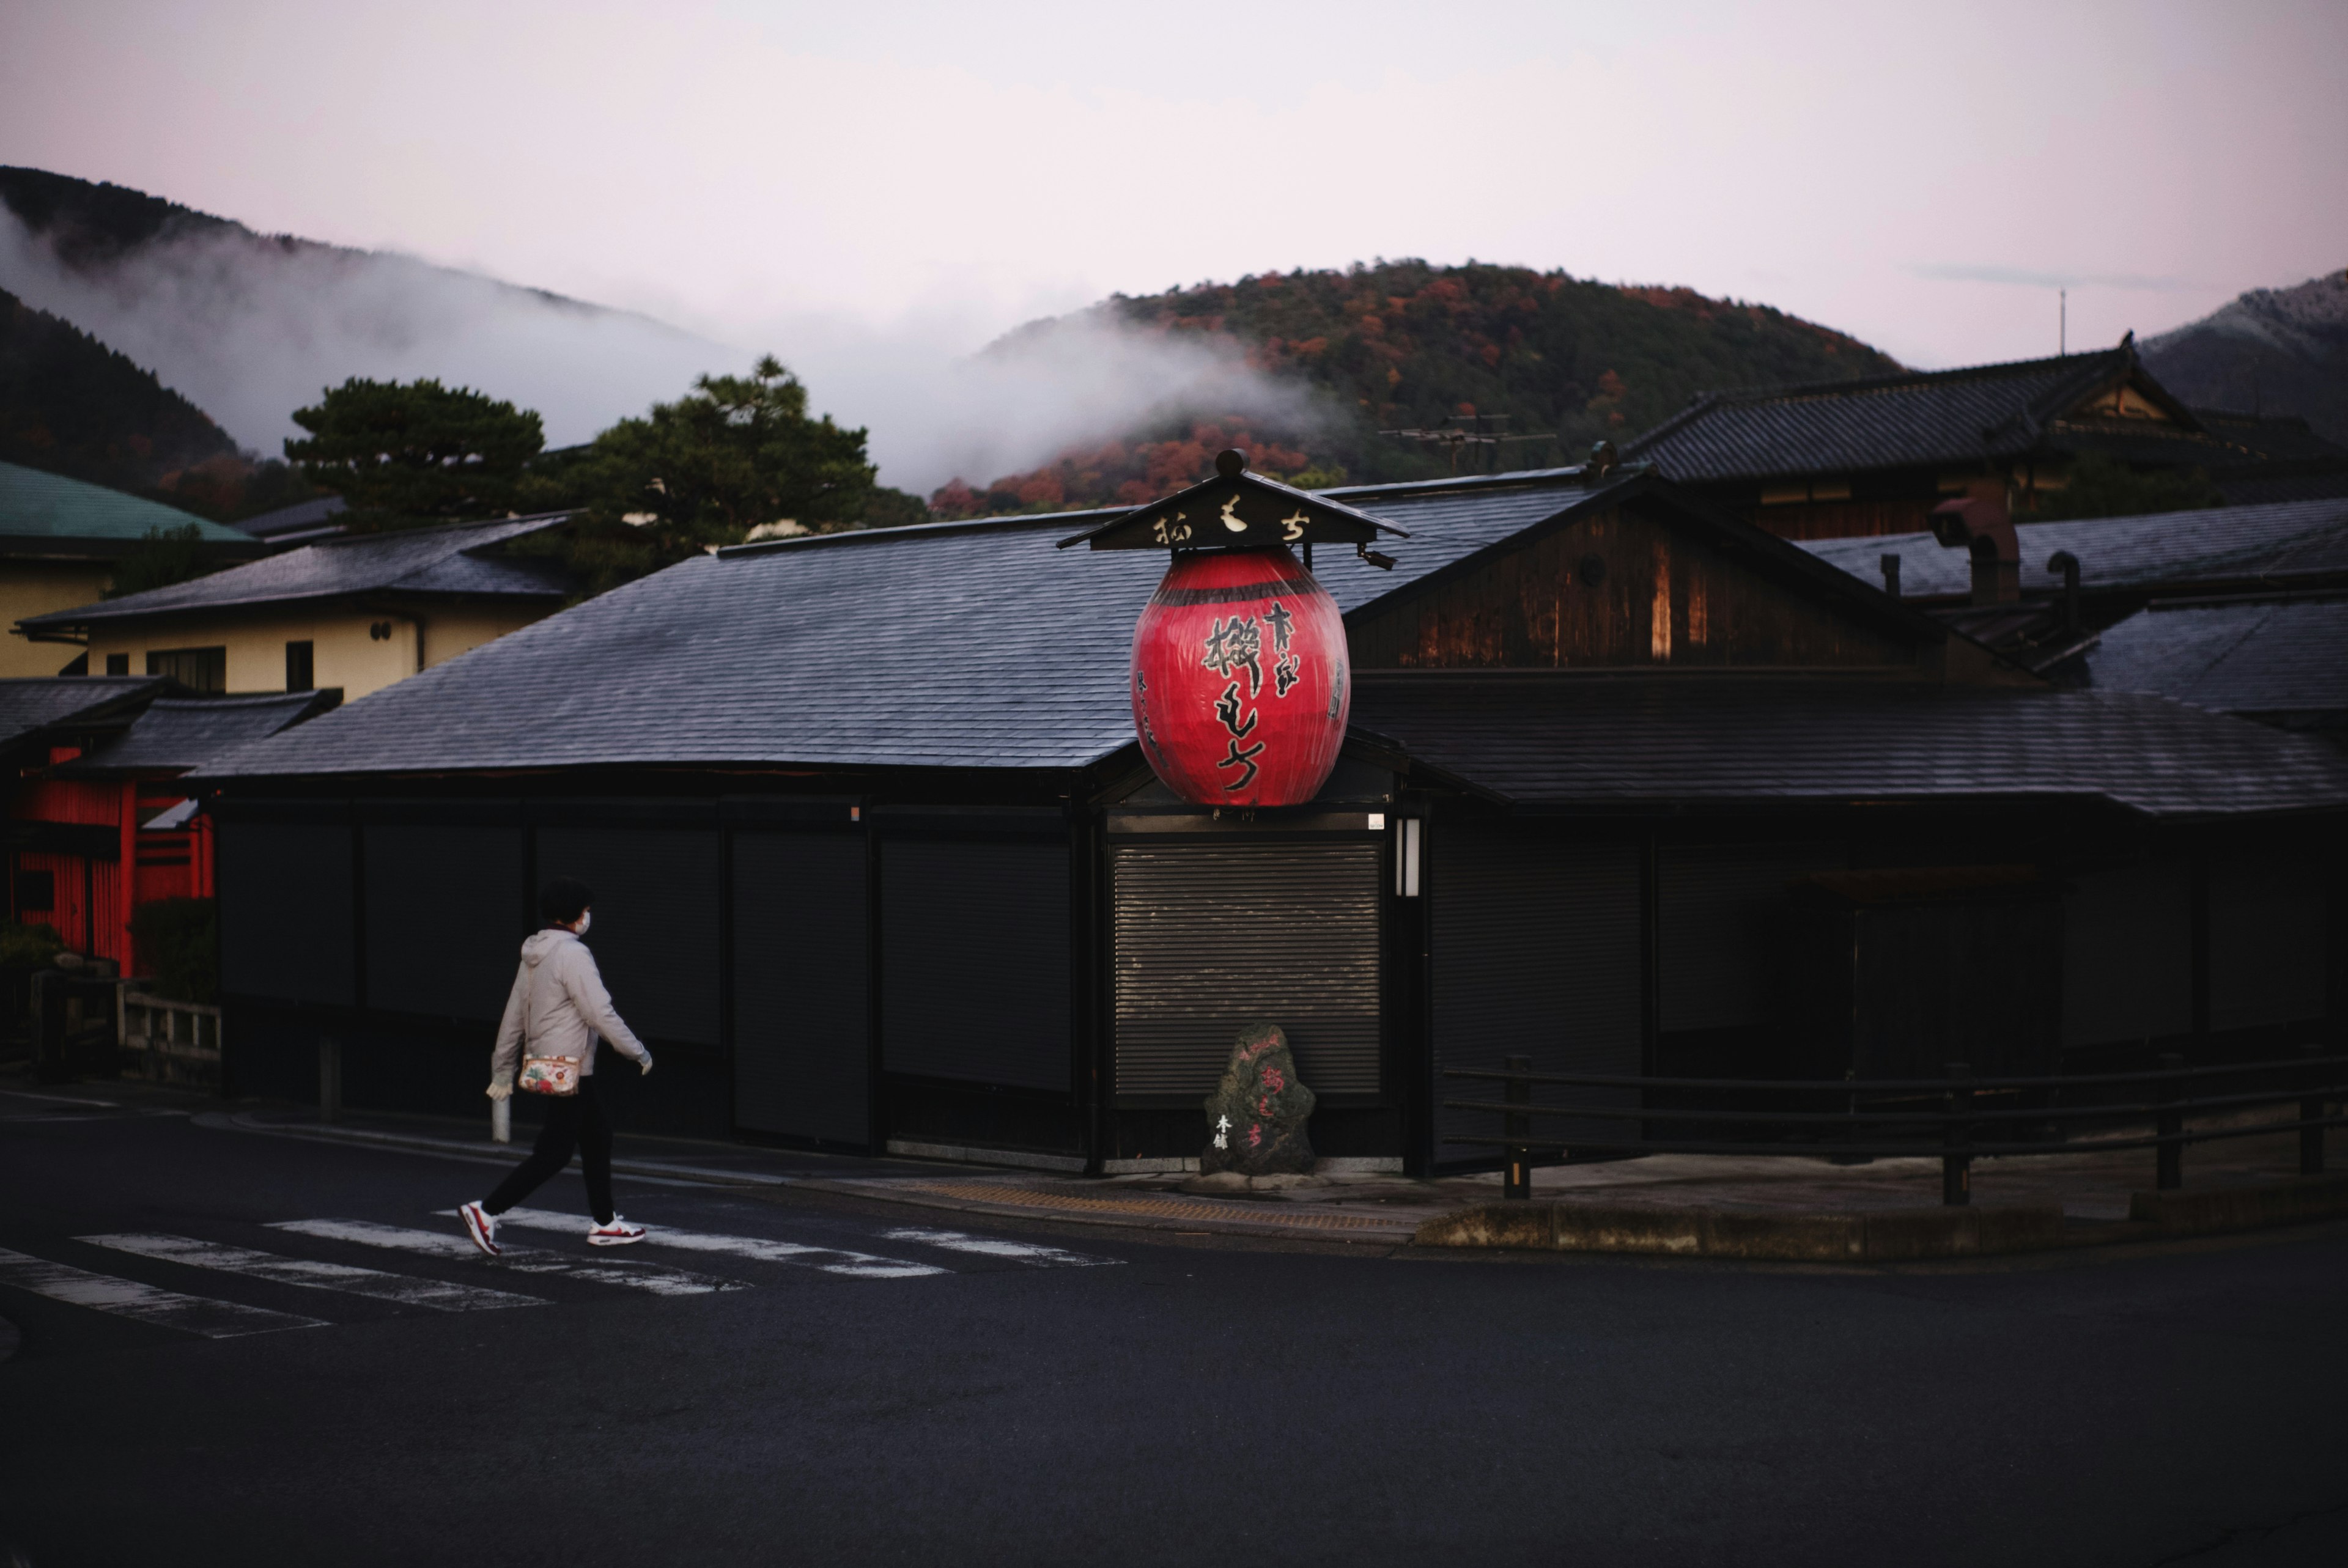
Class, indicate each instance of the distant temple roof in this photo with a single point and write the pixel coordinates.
(38, 506)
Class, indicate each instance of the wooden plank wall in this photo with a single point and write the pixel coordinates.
(1617, 590)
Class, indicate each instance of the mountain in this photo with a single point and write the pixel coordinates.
(249, 327)
(72, 405)
(2271, 350)
(1551, 361)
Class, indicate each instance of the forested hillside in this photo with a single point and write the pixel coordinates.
(72, 405)
(1406, 345)
(2270, 351)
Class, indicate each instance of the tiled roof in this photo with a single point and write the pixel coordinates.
(1552, 742)
(34, 505)
(963, 645)
(409, 560)
(1920, 419)
(2278, 543)
(32, 704)
(2286, 658)
(187, 733)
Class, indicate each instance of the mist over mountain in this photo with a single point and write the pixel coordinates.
(2270, 351)
(72, 405)
(249, 327)
(1550, 361)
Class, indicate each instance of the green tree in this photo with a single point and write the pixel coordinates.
(2102, 487)
(735, 452)
(165, 555)
(404, 453)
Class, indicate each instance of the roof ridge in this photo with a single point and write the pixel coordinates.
(1005, 522)
(1880, 383)
(1457, 482)
(409, 533)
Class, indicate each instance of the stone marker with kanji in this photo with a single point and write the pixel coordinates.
(1257, 1114)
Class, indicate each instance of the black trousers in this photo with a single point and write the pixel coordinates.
(573, 1122)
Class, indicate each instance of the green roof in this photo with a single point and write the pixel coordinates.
(49, 506)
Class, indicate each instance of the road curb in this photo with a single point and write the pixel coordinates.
(242, 1121)
(2298, 1202)
(1882, 1235)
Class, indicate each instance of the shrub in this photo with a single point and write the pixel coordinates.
(177, 944)
(24, 947)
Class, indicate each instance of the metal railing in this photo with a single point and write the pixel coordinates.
(1904, 1118)
(168, 1040)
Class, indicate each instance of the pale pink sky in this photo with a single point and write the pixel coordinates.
(1922, 176)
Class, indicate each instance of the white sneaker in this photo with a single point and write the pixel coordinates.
(482, 1226)
(618, 1233)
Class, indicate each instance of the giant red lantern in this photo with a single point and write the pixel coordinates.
(1239, 681)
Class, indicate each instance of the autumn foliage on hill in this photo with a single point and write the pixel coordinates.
(1406, 345)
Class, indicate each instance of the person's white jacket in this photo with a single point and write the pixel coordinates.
(559, 1002)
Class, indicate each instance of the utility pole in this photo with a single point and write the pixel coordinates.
(2062, 323)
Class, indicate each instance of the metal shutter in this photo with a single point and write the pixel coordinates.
(656, 928)
(1212, 937)
(2266, 941)
(975, 961)
(285, 912)
(801, 1012)
(1718, 906)
(2128, 954)
(446, 916)
(1536, 946)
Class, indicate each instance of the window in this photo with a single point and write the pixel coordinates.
(36, 892)
(299, 670)
(197, 668)
(117, 664)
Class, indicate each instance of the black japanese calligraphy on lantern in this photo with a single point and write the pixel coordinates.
(1281, 620)
(1236, 757)
(1227, 709)
(1233, 643)
(1286, 673)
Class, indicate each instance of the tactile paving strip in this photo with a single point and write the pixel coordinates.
(1156, 1207)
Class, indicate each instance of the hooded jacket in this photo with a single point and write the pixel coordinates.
(559, 1002)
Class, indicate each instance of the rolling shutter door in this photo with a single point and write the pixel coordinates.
(446, 916)
(975, 961)
(285, 912)
(1535, 945)
(1210, 938)
(801, 1012)
(2128, 955)
(2266, 941)
(1718, 908)
(655, 929)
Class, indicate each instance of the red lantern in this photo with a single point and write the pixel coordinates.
(1240, 685)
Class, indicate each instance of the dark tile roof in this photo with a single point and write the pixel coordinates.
(35, 505)
(2283, 659)
(186, 732)
(2281, 543)
(440, 560)
(963, 645)
(302, 520)
(1541, 741)
(1918, 419)
(28, 705)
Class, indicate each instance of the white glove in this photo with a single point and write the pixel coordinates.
(500, 1087)
(646, 1064)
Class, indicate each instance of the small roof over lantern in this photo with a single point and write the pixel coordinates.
(1235, 510)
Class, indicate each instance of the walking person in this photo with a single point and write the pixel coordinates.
(557, 1009)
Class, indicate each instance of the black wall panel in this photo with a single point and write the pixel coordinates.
(656, 928)
(2128, 954)
(2267, 940)
(801, 1005)
(285, 912)
(975, 961)
(1720, 909)
(1536, 947)
(1212, 937)
(446, 916)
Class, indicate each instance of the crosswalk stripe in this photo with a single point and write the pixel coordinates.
(438, 1294)
(146, 1303)
(829, 1259)
(1032, 1254)
(657, 1278)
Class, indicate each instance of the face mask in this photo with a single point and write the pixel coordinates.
(586, 920)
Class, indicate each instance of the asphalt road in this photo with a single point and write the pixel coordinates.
(821, 1382)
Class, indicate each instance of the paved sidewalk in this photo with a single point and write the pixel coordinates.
(2092, 1190)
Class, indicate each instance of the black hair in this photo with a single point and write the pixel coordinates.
(563, 900)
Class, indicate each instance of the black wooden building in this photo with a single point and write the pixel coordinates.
(1632, 785)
